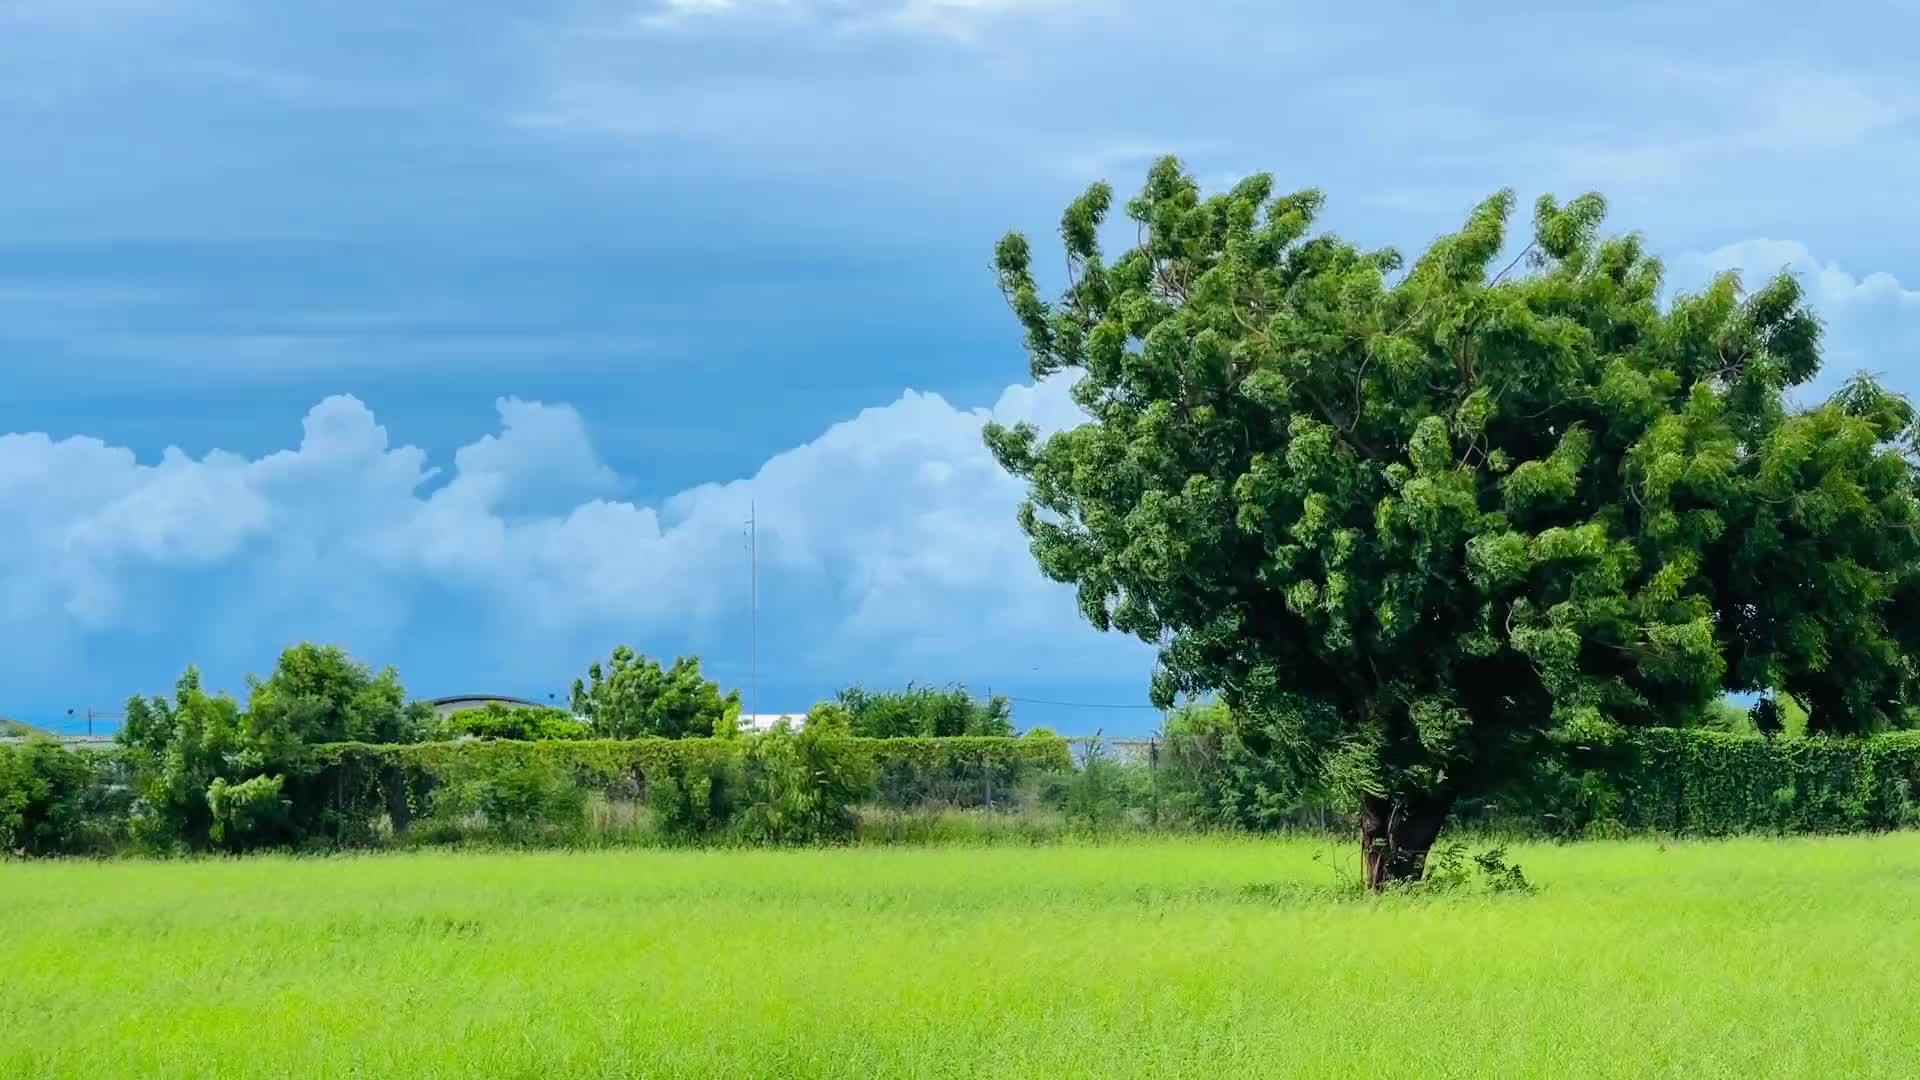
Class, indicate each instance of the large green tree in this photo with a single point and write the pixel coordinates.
(1417, 524)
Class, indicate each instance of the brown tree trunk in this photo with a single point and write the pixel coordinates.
(1396, 834)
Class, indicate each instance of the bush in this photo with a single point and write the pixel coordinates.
(693, 798)
(528, 798)
(803, 788)
(251, 813)
(44, 790)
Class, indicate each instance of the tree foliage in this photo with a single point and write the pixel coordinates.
(206, 774)
(632, 696)
(44, 797)
(497, 720)
(1424, 520)
(921, 712)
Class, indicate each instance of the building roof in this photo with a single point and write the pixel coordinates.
(455, 699)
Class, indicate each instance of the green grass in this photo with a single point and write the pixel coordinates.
(1176, 959)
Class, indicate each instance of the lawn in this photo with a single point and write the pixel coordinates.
(1163, 958)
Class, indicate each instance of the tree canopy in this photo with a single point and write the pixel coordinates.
(917, 712)
(632, 696)
(1422, 521)
(207, 773)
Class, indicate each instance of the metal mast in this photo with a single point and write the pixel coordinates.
(753, 604)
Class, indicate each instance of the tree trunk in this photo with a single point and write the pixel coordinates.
(1396, 834)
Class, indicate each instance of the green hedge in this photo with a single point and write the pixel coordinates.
(364, 780)
(1713, 783)
(612, 759)
(1698, 782)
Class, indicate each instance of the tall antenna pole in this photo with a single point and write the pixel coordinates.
(753, 602)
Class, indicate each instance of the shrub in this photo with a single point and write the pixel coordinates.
(693, 798)
(43, 798)
(251, 813)
(517, 798)
(802, 788)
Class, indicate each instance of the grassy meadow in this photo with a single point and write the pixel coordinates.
(1166, 958)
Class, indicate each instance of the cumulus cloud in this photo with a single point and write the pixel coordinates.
(1829, 286)
(887, 543)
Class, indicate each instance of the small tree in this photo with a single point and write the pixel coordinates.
(206, 774)
(1414, 527)
(633, 696)
(924, 712)
(43, 797)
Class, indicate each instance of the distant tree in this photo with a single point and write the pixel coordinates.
(207, 774)
(924, 712)
(319, 694)
(830, 718)
(632, 696)
(43, 797)
(1413, 527)
(177, 748)
(525, 723)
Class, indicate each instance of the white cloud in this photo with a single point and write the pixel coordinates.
(1828, 286)
(950, 18)
(887, 540)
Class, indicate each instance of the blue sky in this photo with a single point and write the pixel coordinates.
(464, 334)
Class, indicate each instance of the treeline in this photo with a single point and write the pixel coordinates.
(324, 754)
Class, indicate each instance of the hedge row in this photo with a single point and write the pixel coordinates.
(1713, 783)
(1696, 782)
(610, 759)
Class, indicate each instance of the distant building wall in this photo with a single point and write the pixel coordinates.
(766, 721)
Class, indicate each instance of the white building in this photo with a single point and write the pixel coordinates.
(760, 722)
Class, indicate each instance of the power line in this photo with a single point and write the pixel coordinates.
(1077, 704)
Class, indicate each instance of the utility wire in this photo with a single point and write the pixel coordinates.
(1077, 704)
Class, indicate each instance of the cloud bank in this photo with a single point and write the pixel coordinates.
(886, 548)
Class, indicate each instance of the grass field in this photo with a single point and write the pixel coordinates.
(1198, 958)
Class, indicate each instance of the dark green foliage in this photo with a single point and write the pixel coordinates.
(1413, 527)
(1100, 794)
(924, 712)
(633, 697)
(319, 694)
(802, 787)
(1711, 783)
(495, 720)
(531, 797)
(251, 813)
(699, 789)
(175, 750)
(1453, 868)
(694, 798)
(205, 774)
(49, 799)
